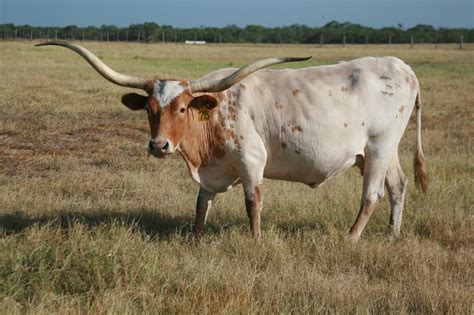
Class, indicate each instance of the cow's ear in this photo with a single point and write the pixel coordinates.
(203, 102)
(134, 101)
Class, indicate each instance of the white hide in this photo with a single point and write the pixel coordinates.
(309, 125)
(166, 91)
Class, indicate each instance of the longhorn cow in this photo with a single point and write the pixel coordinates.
(306, 125)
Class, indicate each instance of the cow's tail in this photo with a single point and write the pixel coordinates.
(419, 163)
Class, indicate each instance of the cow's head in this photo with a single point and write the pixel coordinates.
(171, 105)
(171, 109)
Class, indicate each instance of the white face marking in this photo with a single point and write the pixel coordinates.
(165, 92)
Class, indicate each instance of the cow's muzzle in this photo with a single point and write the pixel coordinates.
(160, 147)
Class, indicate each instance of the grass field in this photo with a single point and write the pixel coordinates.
(90, 224)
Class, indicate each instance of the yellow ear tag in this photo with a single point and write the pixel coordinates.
(204, 115)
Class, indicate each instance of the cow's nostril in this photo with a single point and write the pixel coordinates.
(165, 146)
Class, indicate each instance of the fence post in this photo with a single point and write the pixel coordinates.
(321, 41)
(118, 35)
(31, 35)
(107, 34)
(82, 35)
(220, 38)
(366, 39)
(344, 40)
(461, 42)
(389, 40)
(163, 37)
(55, 34)
(138, 36)
(411, 41)
(16, 34)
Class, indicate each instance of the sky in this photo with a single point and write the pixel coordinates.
(218, 13)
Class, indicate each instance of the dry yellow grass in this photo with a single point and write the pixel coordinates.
(91, 225)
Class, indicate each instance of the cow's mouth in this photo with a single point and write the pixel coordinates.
(158, 153)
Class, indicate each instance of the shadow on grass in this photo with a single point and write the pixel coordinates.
(151, 223)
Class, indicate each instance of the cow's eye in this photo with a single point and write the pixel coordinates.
(182, 110)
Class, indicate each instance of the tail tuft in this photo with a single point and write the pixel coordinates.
(421, 173)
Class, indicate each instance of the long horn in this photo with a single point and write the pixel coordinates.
(221, 85)
(102, 68)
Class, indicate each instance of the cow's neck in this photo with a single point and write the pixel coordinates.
(203, 140)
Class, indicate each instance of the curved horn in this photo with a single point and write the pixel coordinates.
(223, 84)
(102, 68)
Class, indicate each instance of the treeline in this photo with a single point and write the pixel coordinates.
(332, 33)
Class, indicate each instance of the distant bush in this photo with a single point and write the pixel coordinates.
(331, 33)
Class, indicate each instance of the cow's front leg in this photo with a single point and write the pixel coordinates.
(203, 205)
(251, 176)
(253, 205)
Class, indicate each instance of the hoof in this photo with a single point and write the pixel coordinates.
(198, 234)
(353, 238)
(392, 236)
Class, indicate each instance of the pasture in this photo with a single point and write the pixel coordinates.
(90, 224)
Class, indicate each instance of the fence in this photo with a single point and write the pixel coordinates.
(177, 37)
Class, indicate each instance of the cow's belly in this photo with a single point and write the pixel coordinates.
(308, 169)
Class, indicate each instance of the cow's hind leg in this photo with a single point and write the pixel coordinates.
(375, 168)
(396, 183)
(203, 205)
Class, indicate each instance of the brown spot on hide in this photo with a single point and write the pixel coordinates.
(363, 124)
(387, 93)
(343, 88)
(237, 143)
(384, 77)
(283, 145)
(295, 92)
(345, 125)
(241, 137)
(229, 134)
(252, 117)
(296, 128)
(232, 113)
(277, 105)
